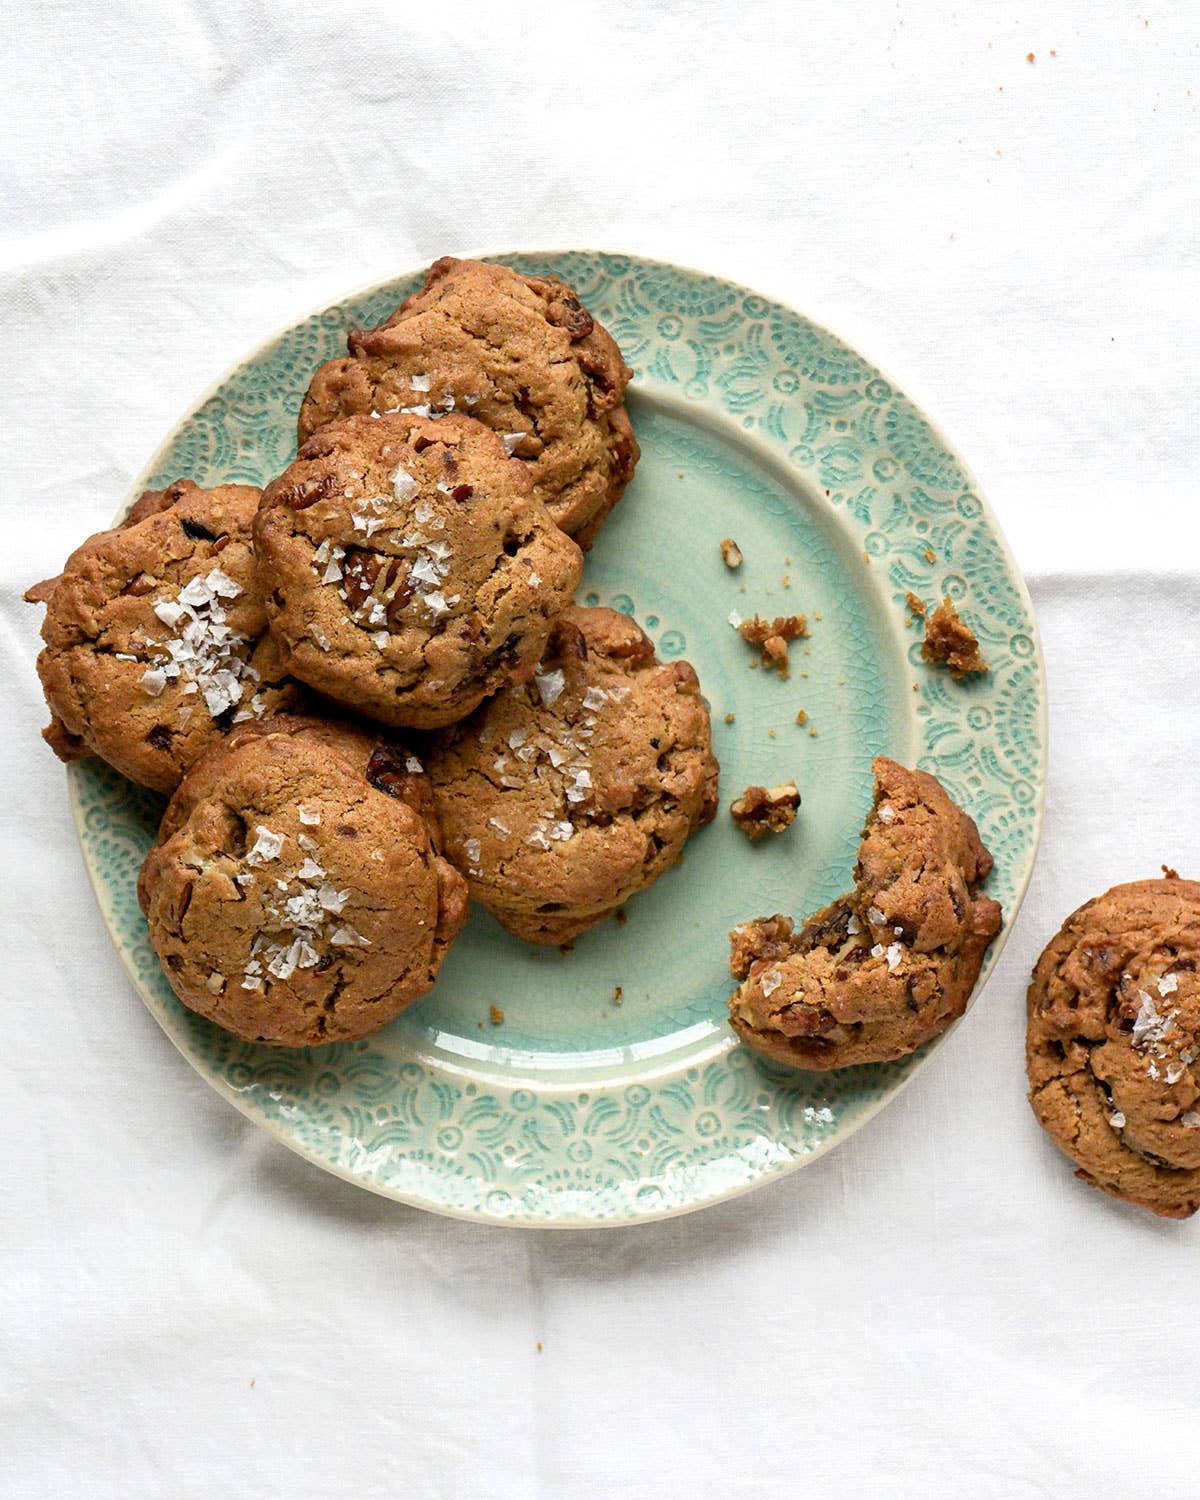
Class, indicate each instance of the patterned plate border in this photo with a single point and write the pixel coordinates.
(683, 1139)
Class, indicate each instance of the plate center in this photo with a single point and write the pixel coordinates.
(701, 478)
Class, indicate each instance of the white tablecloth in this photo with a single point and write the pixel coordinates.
(935, 1309)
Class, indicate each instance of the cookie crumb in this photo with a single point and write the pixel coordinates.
(1029, 57)
(1169, 873)
(916, 607)
(618, 995)
(731, 553)
(950, 642)
(729, 718)
(770, 734)
(812, 731)
(496, 1014)
(622, 918)
(772, 637)
(539, 1344)
(930, 555)
(758, 811)
(566, 948)
(802, 717)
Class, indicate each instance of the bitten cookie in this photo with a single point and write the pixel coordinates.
(156, 636)
(881, 970)
(562, 798)
(408, 571)
(520, 353)
(1113, 1043)
(295, 894)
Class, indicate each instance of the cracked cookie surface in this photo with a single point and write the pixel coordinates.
(408, 572)
(1113, 1043)
(521, 354)
(295, 894)
(889, 965)
(563, 797)
(156, 637)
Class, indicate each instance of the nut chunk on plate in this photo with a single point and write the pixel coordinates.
(887, 966)
(295, 894)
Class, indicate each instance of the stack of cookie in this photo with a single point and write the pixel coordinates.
(254, 654)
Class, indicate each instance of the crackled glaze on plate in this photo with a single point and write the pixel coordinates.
(754, 423)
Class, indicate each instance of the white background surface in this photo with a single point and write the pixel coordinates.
(935, 1309)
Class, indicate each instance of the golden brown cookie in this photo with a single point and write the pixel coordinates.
(562, 798)
(407, 569)
(156, 635)
(520, 353)
(1113, 1043)
(881, 970)
(295, 894)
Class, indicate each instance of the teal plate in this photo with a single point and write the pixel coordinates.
(757, 424)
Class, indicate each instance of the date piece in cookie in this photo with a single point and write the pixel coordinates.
(520, 353)
(760, 810)
(1113, 1043)
(562, 798)
(156, 636)
(950, 642)
(295, 894)
(887, 966)
(407, 569)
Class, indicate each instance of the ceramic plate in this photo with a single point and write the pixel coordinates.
(576, 1110)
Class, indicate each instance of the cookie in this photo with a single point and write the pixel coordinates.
(562, 798)
(520, 353)
(881, 970)
(156, 637)
(295, 894)
(1113, 1043)
(408, 570)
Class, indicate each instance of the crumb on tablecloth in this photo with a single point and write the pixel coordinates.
(759, 810)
